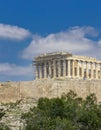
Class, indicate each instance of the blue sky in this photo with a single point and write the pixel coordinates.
(31, 27)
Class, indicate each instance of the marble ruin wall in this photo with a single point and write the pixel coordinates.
(13, 91)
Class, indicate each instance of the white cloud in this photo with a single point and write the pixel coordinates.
(73, 40)
(13, 32)
(7, 69)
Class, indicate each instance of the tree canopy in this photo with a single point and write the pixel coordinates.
(66, 113)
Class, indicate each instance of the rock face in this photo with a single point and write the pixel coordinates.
(15, 91)
(13, 112)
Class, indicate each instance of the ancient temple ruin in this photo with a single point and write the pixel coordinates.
(62, 65)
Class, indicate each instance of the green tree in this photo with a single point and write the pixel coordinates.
(66, 113)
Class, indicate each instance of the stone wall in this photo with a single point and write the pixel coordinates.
(9, 92)
(13, 91)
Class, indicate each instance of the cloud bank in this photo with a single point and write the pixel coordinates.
(13, 32)
(14, 70)
(77, 40)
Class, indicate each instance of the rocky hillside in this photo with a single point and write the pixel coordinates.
(13, 112)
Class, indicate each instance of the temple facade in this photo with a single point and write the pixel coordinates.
(62, 65)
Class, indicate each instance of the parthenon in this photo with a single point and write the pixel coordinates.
(64, 65)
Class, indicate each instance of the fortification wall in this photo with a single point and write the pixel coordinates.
(13, 91)
(9, 91)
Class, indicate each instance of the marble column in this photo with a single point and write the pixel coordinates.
(40, 71)
(59, 68)
(54, 69)
(87, 76)
(37, 71)
(64, 68)
(82, 69)
(49, 69)
(45, 75)
(68, 67)
(100, 71)
(92, 70)
(96, 71)
(73, 68)
(78, 75)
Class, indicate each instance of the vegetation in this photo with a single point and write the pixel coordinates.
(2, 113)
(3, 126)
(66, 113)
